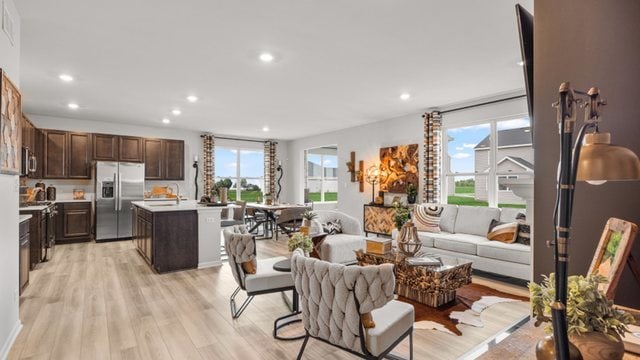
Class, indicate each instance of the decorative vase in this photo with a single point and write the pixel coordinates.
(597, 346)
(546, 350)
(224, 192)
(411, 198)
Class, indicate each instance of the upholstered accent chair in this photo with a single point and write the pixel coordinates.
(241, 249)
(238, 215)
(339, 301)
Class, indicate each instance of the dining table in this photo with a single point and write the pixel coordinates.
(270, 213)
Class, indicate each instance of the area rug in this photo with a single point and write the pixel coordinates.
(470, 301)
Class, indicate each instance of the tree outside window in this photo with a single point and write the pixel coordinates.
(241, 171)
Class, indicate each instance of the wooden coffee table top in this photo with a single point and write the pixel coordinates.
(397, 257)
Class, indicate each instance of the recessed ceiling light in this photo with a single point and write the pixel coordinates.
(192, 98)
(265, 128)
(405, 96)
(176, 112)
(520, 63)
(65, 77)
(166, 121)
(266, 57)
(73, 106)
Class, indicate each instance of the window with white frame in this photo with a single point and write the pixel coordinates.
(241, 171)
(481, 159)
(322, 174)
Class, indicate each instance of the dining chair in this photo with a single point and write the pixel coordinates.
(289, 220)
(238, 215)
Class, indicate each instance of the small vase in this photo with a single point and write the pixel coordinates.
(411, 199)
(546, 350)
(223, 195)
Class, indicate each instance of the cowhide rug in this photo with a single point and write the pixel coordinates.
(470, 301)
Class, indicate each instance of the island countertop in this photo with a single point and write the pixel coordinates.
(170, 206)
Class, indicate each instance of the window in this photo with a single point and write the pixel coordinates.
(481, 160)
(321, 175)
(241, 171)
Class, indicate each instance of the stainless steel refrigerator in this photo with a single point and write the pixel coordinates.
(117, 185)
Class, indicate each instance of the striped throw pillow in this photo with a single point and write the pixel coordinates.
(427, 218)
(503, 232)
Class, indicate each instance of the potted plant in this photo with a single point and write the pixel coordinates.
(302, 241)
(307, 216)
(215, 192)
(591, 317)
(412, 193)
(267, 199)
(401, 216)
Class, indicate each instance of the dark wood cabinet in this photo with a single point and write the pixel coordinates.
(25, 252)
(168, 241)
(105, 147)
(174, 159)
(73, 222)
(130, 149)
(55, 154)
(79, 147)
(37, 234)
(154, 159)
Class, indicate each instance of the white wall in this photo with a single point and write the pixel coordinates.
(366, 141)
(9, 323)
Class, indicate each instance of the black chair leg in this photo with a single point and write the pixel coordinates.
(235, 313)
(304, 344)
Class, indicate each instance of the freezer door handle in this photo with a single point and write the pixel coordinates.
(119, 191)
(115, 206)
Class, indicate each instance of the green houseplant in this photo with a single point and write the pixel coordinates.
(307, 216)
(300, 240)
(591, 317)
(401, 216)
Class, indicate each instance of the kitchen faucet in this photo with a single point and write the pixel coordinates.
(177, 193)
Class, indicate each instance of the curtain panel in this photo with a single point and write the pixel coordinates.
(432, 156)
(208, 165)
(270, 166)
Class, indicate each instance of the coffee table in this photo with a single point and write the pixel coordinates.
(432, 285)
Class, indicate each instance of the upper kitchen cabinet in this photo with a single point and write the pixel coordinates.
(79, 156)
(66, 155)
(131, 149)
(55, 154)
(174, 159)
(105, 147)
(154, 159)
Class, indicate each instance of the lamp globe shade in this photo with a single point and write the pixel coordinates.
(600, 161)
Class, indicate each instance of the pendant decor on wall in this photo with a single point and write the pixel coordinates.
(432, 156)
(208, 167)
(398, 168)
(10, 135)
(270, 168)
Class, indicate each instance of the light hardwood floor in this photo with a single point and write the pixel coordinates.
(102, 301)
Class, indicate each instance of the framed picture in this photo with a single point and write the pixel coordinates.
(399, 168)
(10, 127)
(613, 252)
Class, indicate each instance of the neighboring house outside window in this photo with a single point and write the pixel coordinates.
(322, 174)
(478, 163)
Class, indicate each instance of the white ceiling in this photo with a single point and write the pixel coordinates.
(338, 63)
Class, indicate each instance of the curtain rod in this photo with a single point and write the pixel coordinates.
(239, 139)
(482, 104)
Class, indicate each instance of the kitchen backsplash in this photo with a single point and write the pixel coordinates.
(64, 188)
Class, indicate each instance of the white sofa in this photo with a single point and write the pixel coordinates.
(464, 235)
(339, 248)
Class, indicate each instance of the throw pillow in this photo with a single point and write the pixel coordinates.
(524, 230)
(427, 218)
(250, 267)
(503, 232)
(332, 227)
(367, 321)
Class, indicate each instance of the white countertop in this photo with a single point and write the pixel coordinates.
(71, 201)
(170, 205)
(25, 217)
(33, 208)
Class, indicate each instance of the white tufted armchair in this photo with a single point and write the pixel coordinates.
(336, 298)
(241, 247)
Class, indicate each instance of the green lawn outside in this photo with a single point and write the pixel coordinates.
(248, 196)
(328, 196)
(469, 201)
(465, 189)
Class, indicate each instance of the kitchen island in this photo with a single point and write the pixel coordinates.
(172, 237)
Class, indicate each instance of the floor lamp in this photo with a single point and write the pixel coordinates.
(592, 159)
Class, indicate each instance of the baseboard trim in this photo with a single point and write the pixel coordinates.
(208, 264)
(6, 347)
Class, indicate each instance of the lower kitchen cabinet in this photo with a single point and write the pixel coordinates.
(168, 241)
(73, 222)
(25, 253)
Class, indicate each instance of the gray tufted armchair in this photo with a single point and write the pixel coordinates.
(241, 248)
(336, 300)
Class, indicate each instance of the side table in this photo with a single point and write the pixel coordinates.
(279, 323)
